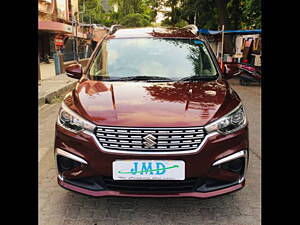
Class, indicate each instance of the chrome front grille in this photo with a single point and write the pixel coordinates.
(149, 139)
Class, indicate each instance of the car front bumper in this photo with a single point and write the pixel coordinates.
(97, 165)
(156, 195)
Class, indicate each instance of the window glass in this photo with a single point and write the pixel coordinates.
(170, 58)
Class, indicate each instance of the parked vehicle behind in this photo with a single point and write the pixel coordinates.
(249, 74)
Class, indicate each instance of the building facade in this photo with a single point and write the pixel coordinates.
(57, 27)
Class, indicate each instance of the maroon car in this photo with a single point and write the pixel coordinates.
(152, 115)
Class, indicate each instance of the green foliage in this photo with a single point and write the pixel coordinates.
(241, 14)
(251, 17)
(235, 13)
(179, 23)
(134, 13)
(93, 11)
(135, 20)
(245, 14)
(174, 16)
(130, 12)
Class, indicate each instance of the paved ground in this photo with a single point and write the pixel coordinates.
(53, 86)
(51, 89)
(61, 207)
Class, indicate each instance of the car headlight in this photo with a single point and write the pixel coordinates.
(231, 122)
(72, 121)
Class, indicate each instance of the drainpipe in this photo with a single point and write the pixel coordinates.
(73, 41)
(222, 49)
(76, 23)
(39, 71)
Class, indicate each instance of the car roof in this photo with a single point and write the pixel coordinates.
(156, 32)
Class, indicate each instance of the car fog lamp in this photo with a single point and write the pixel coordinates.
(236, 165)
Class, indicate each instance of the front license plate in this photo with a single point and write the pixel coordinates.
(148, 170)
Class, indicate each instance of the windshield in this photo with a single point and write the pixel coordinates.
(152, 58)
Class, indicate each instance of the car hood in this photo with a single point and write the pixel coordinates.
(145, 104)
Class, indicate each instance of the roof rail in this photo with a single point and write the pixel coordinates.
(193, 28)
(114, 28)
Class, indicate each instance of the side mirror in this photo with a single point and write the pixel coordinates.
(74, 71)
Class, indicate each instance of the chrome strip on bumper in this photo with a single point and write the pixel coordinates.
(243, 153)
(69, 155)
(230, 157)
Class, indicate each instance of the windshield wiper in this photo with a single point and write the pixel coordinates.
(197, 77)
(138, 78)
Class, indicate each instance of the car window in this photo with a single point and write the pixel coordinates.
(170, 58)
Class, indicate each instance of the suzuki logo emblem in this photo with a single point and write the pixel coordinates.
(149, 140)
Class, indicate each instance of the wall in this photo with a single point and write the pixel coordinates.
(54, 10)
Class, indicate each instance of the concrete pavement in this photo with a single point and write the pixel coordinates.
(55, 87)
(251, 99)
(52, 86)
(58, 206)
(47, 119)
